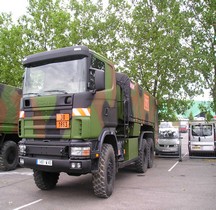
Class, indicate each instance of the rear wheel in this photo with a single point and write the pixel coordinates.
(150, 152)
(180, 153)
(142, 162)
(9, 156)
(190, 153)
(103, 180)
(45, 180)
(189, 150)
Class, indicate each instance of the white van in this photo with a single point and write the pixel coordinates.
(202, 138)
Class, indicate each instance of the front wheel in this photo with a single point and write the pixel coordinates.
(9, 156)
(103, 180)
(45, 180)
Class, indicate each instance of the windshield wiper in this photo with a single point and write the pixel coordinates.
(37, 94)
(59, 91)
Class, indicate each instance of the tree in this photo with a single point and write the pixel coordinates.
(10, 51)
(155, 54)
(46, 26)
(206, 109)
(160, 44)
(203, 42)
(191, 117)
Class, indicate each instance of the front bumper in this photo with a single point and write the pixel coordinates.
(55, 156)
(202, 148)
(167, 150)
(56, 165)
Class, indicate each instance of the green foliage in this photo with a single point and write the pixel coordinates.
(167, 46)
(206, 109)
(202, 41)
(11, 46)
(169, 108)
(46, 25)
(191, 117)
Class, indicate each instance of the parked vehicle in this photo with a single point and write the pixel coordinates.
(202, 138)
(168, 140)
(9, 114)
(79, 116)
(183, 128)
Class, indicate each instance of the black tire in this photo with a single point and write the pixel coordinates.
(190, 153)
(142, 162)
(180, 153)
(103, 180)
(45, 180)
(150, 152)
(9, 156)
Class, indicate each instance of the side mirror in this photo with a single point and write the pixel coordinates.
(100, 80)
(96, 80)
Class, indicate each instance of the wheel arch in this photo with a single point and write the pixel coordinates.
(9, 137)
(108, 136)
(145, 135)
(149, 131)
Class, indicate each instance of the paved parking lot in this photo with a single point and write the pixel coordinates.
(190, 184)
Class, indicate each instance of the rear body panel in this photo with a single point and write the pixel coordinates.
(9, 108)
(202, 137)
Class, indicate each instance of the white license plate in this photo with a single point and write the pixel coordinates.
(44, 162)
(196, 147)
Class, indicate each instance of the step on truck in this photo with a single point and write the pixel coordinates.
(79, 116)
(9, 116)
(202, 138)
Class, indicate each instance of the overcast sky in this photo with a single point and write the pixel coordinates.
(16, 7)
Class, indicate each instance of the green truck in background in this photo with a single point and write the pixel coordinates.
(79, 116)
(9, 116)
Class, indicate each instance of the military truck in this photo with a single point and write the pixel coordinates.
(79, 116)
(9, 116)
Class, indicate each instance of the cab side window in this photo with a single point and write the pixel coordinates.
(97, 64)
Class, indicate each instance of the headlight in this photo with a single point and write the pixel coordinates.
(22, 149)
(21, 114)
(177, 144)
(80, 151)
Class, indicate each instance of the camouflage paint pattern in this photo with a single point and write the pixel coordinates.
(40, 112)
(143, 105)
(9, 108)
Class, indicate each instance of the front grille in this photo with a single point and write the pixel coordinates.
(168, 146)
(42, 123)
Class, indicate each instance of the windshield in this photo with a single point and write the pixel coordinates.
(165, 125)
(56, 78)
(168, 134)
(202, 130)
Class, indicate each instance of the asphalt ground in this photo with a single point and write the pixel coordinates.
(170, 184)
